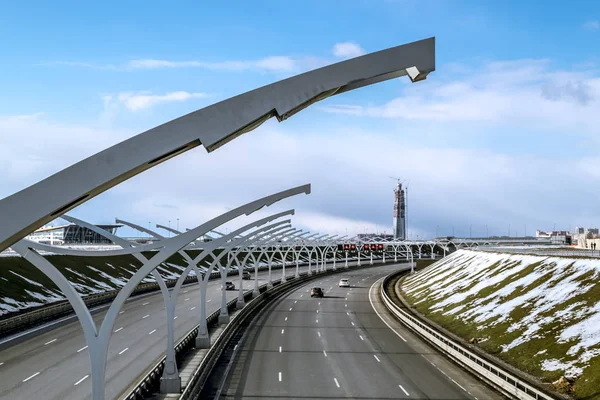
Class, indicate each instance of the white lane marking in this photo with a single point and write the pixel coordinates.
(121, 312)
(185, 291)
(319, 303)
(146, 303)
(124, 350)
(186, 299)
(280, 377)
(1, 363)
(377, 358)
(290, 308)
(280, 349)
(345, 305)
(52, 341)
(81, 380)
(379, 315)
(352, 323)
(286, 318)
(346, 298)
(317, 311)
(151, 332)
(235, 347)
(336, 382)
(32, 376)
(209, 300)
(297, 301)
(301, 295)
(317, 321)
(82, 349)
(347, 313)
(175, 317)
(324, 352)
(361, 338)
(404, 390)
(283, 330)
(319, 333)
(193, 308)
(117, 330)
(145, 316)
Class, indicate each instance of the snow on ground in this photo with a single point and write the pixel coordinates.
(484, 288)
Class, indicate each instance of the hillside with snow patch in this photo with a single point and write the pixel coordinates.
(541, 314)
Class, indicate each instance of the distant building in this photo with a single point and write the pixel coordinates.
(592, 231)
(71, 234)
(542, 234)
(375, 236)
(399, 213)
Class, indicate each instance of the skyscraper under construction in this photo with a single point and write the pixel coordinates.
(399, 213)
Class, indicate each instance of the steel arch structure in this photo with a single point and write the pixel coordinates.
(211, 127)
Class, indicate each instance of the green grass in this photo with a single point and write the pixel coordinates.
(523, 356)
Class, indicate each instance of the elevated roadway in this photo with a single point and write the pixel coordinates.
(344, 345)
(55, 364)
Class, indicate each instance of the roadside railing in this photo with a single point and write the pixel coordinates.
(498, 377)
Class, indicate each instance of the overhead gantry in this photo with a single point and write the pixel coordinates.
(97, 340)
(211, 127)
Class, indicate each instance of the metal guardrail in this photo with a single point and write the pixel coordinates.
(498, 377)
(150, 382)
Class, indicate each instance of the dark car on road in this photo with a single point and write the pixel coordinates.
(316, 292)
(246, 275)
(229, 286)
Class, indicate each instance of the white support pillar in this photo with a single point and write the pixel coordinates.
(346, 263)
(371, 259)
(284, 261)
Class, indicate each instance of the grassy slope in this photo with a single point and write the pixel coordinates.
(540, 334)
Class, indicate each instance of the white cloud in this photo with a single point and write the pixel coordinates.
(592, 25)
(270, 64)
(526, 93)
(347, 50)
(136, 101)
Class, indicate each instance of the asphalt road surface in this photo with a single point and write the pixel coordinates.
(345, 345)
(55, 364)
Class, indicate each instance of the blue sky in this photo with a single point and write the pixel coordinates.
(505, 131)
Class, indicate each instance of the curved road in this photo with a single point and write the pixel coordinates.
(55, 364)
(344, 345)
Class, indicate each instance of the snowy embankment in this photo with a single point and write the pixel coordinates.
(542, 314)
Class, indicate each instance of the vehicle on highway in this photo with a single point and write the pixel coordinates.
(229, 286)
(316, 292)
(344, 283)
(246, 275)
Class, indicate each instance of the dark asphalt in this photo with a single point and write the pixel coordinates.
(340, 347)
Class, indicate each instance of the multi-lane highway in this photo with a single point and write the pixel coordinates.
(55, 365)
(344, 345)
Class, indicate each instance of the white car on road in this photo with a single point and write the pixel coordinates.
(344, 283)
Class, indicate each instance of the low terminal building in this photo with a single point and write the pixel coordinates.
(71, 234)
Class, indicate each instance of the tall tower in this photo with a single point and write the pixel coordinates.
(399, 213)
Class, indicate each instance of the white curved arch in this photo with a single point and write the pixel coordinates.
(212, 127)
